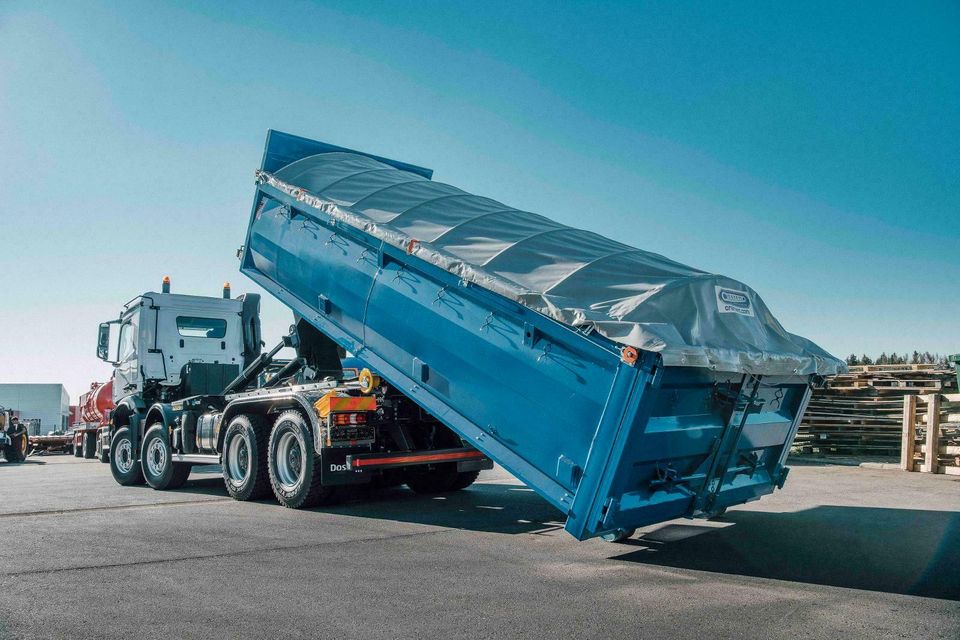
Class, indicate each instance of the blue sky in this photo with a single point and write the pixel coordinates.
(810, 150)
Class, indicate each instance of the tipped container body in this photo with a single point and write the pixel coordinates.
(554, 395)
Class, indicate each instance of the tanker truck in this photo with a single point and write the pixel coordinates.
(92, 414)
(623, 387)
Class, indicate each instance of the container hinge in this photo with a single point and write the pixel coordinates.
(568, 471)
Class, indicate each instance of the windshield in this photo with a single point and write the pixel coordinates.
(192, 327)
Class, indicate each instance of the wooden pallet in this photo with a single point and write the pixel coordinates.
(861, 413)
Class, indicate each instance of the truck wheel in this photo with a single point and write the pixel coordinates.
(103, 454)
(123, 465)
(89, 445)
(77, 451)
(16, 451)
(159, 469)
(244, 458)
(294, 469)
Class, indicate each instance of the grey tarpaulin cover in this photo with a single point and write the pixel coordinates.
(577, 277)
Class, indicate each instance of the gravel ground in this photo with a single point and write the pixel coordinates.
(841, 552)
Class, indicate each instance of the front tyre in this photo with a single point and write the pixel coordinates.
(123, 465)
(244, 458)
(294, 469)
(156, 457)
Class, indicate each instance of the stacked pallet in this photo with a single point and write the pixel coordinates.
(861, 413)
(931, 434)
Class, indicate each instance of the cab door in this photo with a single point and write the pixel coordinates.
(126, 373)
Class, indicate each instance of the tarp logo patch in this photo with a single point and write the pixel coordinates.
(733, 301)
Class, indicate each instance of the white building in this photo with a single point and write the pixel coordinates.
(48, 402)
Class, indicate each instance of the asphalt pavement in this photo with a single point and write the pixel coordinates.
(841, 552)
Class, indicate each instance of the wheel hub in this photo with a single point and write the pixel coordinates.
(238, 459)
(124, 456)
(156, 457)
(289, 461)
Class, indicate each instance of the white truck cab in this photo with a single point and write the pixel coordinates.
(159, 336)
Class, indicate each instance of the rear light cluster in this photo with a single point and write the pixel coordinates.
(343, 419)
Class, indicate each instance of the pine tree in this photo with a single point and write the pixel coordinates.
(865, 359)
(853, 360)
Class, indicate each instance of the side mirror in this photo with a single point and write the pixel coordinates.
(103, 342)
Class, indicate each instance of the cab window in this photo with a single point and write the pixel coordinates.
(128, 342)
(192, 327)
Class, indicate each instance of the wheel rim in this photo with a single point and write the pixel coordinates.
(156, 457)
(238, 459)
(124, 456)
(289, 461)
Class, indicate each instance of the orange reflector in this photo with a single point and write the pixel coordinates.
(333, 403)
(629, 355)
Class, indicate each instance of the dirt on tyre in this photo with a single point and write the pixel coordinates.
(156, 457)
(244, 460)
(293, 466)
(123, 463)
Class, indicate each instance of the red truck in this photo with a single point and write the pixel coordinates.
(93, 412)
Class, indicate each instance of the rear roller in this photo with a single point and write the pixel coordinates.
(618, 535)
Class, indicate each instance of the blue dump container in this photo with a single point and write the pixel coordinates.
(623, 387)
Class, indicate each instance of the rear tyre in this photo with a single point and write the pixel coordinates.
(17, 450)
(124, 466)
(294, 468)
(77, 451)
(156, 457)
(89, 445)
(103, 454)
(244, 458)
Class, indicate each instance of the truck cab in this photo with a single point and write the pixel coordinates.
(191, 387)
(166, 345)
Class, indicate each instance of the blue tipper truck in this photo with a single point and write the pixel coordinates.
(624, 388)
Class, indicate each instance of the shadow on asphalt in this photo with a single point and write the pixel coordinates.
(902, 551)
(493, 508)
